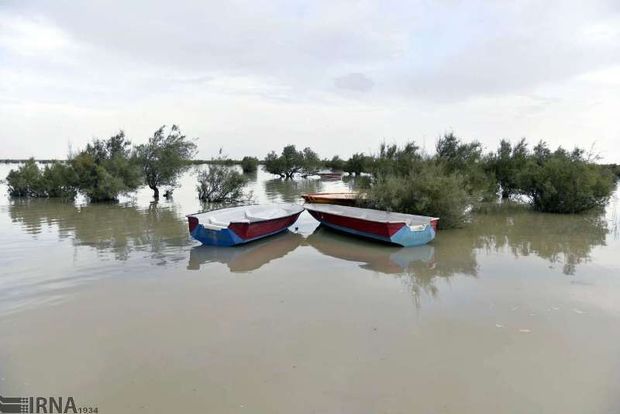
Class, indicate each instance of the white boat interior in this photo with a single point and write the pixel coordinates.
(220, 219)
(380, 216)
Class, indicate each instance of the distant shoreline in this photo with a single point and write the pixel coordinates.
(51, 160)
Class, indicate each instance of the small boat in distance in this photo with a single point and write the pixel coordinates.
(330, 175)
(243, 224)
(342, 199)
(396, 228)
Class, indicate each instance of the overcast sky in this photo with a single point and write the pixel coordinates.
(341, 77)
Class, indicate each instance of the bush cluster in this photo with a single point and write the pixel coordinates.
(291, 161)
(249, 164)
(459, 176)
(54, 180)
(107, 168)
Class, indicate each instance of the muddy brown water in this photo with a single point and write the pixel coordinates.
(115, 305)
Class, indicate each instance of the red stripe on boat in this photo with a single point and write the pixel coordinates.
(192, 222)
(386, 230)
(261, 228)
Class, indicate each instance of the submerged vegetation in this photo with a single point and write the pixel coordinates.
(164, 157)
(106, 169)
(249, 164)
(55, 180)
(219, 183)
(291, 161)
(450, 183)
(407, 181)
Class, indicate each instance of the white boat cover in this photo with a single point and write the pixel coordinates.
(380, 216)
(219, 219)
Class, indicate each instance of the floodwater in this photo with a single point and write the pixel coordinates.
(114, 305)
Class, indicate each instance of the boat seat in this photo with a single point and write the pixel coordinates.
(258, 218)
(213, 220)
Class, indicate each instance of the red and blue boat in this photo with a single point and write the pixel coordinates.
(396, 228)
(243, 224)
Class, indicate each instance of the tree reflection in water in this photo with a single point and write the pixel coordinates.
(558, 238)
(418, 267)
(117, 228)
(290, 190)
(563, 239)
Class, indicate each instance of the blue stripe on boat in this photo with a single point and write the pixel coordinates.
(403, 237)
(224, 237)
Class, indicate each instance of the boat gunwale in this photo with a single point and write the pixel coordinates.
(248, 222)
(370, 220)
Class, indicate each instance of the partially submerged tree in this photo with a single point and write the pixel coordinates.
(220, 183)
(25, 181)
(336, 163)
(291, 162)
(564, 182)
(311, 162)
(164, 158)
(405, 181)
(506, 164)
(54, 180)
(358, 163)
(106, 169)
(466, 159)
(249, 164)
(428, 190)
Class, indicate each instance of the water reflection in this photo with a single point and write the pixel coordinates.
(564, 239)
(116, 228)
(290, 190)
(371, 256)
(416, 266)
(247, 257)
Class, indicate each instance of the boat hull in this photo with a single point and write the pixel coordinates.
(240, 233)
(394, 233)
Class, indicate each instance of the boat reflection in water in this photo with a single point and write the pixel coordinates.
(245, 258)
(415, 266)
(371, 255)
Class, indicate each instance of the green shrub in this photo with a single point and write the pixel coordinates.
(249, 164)
(291, 162)
(335, 164)
(219, 183)
(59, 180)
(358, 163)
(164, 158)
(55, 180)
(106, 169)
(467, 160)
(394, 160)
(26, 181)
(563, 182)
(427, 190)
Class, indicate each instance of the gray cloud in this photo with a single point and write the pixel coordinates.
(109, 64)
(355, 82)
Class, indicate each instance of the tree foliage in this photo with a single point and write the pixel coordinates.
(106, 169)
(54, 180)
(164, 158)
(291, 161)
(358, 163)
(506, 164)
(335, 164)
(428, 190)
(220, 183)
(249, 164)
(408, 182)
(466, 159)
(564, 182)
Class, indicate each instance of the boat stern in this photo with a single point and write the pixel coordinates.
(409, 236)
